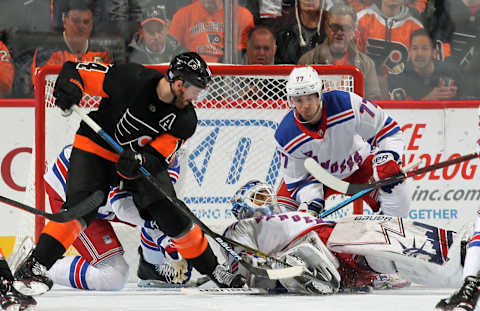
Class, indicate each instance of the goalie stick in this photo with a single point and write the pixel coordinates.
(82, 208)
(361, 193)
(273, 274)
(345, 187)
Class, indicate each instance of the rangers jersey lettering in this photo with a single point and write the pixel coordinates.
(273, 234)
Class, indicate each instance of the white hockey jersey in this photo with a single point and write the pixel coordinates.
(350, 129)
(274, 234)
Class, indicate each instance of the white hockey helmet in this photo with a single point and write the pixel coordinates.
(255, 198)
(303, 81)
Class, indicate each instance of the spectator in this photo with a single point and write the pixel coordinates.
(152, 44)
(299, 31)
(6, 71)
(384, 34)
(261, 49)
(464, 22)
(340, 49)
(424, 77)
(264, 11)
(261, 46)
(200, 28)
(73, 45)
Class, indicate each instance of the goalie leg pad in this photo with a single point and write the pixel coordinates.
(325, 280)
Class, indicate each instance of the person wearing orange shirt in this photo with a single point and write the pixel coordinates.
(384, 34)
(6, 71)
(199, 27)
(340, 49)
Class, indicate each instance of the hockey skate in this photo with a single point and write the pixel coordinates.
(225, 279)
(31, 277)
(163, 275)
(12, 300)
(463, 300)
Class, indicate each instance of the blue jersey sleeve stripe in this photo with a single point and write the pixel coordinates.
(299, 144)
(59, 176)
(390, 133)
(340, 121)
(119, 195)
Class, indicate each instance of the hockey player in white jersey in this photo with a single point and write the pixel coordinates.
(349, 253)
(101, 264)
(351, 137)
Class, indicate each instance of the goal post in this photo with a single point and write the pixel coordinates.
(233, 142)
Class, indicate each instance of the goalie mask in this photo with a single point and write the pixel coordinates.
(254, 199)
(304, 81)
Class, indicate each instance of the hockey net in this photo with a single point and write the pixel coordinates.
(233, 142)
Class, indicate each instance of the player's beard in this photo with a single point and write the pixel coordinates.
(180, 102)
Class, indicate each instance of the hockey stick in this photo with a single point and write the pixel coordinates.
(345, 187)
(362, 193)
(82, 208)
(272, 274)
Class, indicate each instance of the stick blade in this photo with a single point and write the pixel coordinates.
(325, 177)
(285, 273)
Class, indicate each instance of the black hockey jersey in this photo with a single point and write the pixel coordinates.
(131, 112)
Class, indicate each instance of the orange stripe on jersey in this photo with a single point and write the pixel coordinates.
(86, 144)
(65, 233)
(166, 144)
(93, 82)
(192, 244)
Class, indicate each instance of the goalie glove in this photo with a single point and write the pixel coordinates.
(68, 90)
(384, 165)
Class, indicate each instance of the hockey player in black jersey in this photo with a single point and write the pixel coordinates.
(150, 115)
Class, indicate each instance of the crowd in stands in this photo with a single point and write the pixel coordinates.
(406, 49)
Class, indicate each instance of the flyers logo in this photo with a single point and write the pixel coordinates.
(389, 54)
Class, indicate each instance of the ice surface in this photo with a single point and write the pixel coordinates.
(413, 298)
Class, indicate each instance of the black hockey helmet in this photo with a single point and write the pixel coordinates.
(191, 68)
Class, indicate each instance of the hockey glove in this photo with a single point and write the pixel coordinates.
(68, 89)
(129, 163)
(385, 164)
(314, 207)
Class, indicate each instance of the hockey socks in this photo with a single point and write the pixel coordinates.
(76, 272)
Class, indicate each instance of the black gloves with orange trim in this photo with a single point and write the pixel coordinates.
(129, 163)
(68, 89)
